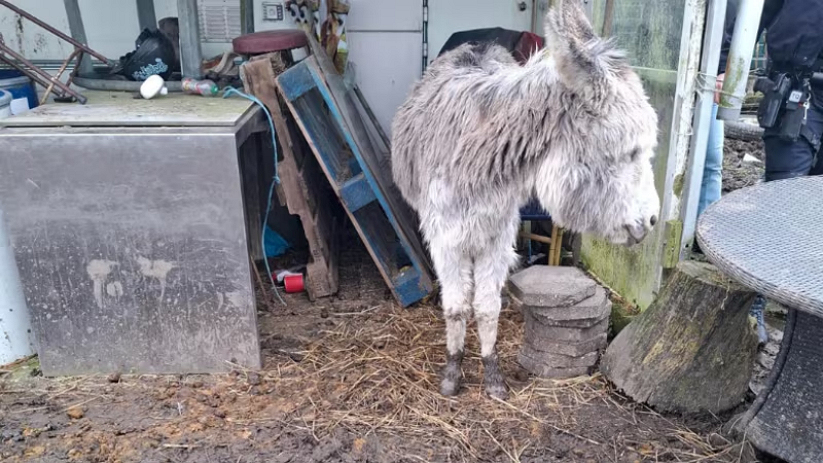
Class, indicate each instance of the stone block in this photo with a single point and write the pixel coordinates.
(544, 371)
(551, 286)
(576, 324)
(536, 330)
(594, 307)
(557, 360)
(581, 315)
(574, 349)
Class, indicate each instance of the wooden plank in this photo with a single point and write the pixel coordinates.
(296, 83)
(357, 193)
(301, 185)
(375, 163)
(336, 146)
(313, 144)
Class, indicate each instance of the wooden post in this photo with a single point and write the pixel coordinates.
(692, 350)
(78, 32)
(557, 240)
(191, 55)
(60, 74)
(608, 20)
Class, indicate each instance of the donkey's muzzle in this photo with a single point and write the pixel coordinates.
(636, 232)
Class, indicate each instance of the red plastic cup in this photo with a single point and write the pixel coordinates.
(294, 283)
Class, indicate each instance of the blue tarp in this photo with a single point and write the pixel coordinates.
(274, 244)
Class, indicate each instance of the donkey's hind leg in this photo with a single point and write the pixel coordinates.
(490, 272)
(454, 270)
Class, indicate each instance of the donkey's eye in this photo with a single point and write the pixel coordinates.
(633, 154)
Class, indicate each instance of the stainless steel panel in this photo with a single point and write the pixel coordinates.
(132, 248)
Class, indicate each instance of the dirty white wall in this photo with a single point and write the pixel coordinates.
(385, 36)
(385, 48)
(111, 27)
(449, 16)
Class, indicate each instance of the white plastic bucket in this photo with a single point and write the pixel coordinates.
(16, 337)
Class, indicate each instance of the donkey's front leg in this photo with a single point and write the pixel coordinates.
(455, 334)
(490, 272)
(454, 272)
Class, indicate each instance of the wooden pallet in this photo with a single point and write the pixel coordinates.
(360, 176)
(302, 180)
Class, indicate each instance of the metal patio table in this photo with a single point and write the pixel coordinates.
(768, 237)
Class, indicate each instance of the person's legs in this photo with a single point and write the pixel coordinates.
(712, 185)
(756, 310)
(784, 160)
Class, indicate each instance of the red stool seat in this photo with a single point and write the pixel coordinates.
(259, 43)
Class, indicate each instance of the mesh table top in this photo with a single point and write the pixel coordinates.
(769, 237)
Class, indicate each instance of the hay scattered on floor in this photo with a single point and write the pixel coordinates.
(363, 388)
(381, 376)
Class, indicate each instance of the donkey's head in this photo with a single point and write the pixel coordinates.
(598, 178)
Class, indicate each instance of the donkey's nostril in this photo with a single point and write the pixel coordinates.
(653, 220)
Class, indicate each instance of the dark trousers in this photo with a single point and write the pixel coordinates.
(785, 159)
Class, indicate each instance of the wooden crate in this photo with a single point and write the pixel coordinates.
(302, 182)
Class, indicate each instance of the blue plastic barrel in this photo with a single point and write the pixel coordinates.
(5, 104)
(20, 87)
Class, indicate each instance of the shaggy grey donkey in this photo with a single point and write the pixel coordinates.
(479, 135)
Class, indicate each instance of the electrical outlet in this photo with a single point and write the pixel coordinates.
(272, 11)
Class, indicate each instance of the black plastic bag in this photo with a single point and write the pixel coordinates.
(153, 54)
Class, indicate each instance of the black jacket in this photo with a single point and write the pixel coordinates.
(795, 32)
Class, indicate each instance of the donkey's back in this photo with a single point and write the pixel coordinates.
(433, 129)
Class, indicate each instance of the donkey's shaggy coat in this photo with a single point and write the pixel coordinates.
(479, 135)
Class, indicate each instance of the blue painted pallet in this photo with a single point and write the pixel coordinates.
(333, 128)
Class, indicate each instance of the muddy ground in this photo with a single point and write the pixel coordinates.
(740, 170)
(351, 379)
(345, 382)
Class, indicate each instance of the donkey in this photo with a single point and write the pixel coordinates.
(479, 135)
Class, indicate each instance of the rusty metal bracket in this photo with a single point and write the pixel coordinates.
(52, 84)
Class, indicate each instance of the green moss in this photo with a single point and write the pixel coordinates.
(733, 79)
(622, 314)
(679, 180)
(646, 30)
(22, 370)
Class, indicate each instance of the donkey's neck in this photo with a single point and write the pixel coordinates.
(519, 109)
(528, 84)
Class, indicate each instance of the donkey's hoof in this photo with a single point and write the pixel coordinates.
(449, 386)
(497, 391)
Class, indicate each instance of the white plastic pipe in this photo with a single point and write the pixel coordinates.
(690, 200)
(740, 59)
(16, 338)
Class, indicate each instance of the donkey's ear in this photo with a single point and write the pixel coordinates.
(587, 64)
